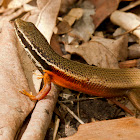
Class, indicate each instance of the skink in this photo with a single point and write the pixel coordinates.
(74, 75)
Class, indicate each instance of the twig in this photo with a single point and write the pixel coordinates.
(72, 113)
(78, 106)
(81, 99)
(57, 121)
(127, 31)
(122, 106)
(130, 6)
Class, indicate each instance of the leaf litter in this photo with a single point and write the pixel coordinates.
(81, 40)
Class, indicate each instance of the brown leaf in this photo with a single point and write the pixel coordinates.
(1, 2)
(42, 3)
(103, 9)
(47, 18)
(68, 20)
(125, 128)
(17, 3)
(134, 51)
(10, 15)
(127, 21)
(65, 5)
(128, 64)
(74, 14)
(84, 27)
(55, 45)
(63, 28)
(101, 52)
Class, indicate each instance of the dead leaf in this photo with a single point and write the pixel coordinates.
(62, 28)
(65, 25)
(125, 128)
(30, 7)
(118, 47)
(55, 45)
(128, 64)
(84, 28)
(74, 14)
(47, 18)
(32, 12)
(130, 6)
(14, 106)
(101, 52)
(103, 9)
(10, 16)
(128, 21)
(41, 3)
(134, 51)
(65, 5)
(118, 31)
(17, 3)
(69, 130)
(1, 1)
(134, 97)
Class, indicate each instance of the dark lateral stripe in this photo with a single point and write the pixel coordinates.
(29, 47)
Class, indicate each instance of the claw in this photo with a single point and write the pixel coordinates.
(39, 76)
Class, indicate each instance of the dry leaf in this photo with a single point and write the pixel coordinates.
(128, 64)
(118, 31)
(47, 18)
(103, 9)
(10, 16)
(84, 27)
(14, 106)
(102, 52)
(31, 12)
(134, 51)
(133, 5)
(118, 47)
(41, 3)
(30, 7)
(65, 5)
(62, 28)
(128, 21)
(17, 3)
(125, 128)
(1, 1)
(65, 26)
(74, 14)
(55, 45)
(134, 96)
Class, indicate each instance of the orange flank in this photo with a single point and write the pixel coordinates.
(63, 80)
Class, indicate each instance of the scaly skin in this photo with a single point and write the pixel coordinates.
(74, 75)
